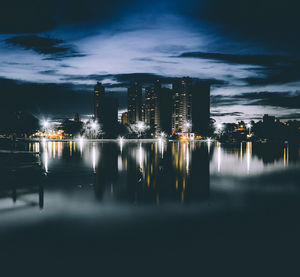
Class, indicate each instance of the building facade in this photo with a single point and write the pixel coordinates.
(99, 95)
(182, 105)
(134, 103)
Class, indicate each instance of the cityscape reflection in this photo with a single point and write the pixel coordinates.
(160, 171)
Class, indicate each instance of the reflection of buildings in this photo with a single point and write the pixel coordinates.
(153, 172)
(21, 174)
(106, 169)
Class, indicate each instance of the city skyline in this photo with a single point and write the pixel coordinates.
(51, 52)
(183, 109)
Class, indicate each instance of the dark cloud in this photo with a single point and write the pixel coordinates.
(221, 114)
(224, 100)
(45, 45)
(263, 60)
(287, 99)
(124, 80)
(34, 16)
(270, 22)
(274, 69)
(280, 74)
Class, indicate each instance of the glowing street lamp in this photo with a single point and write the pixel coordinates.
(45, 124)
(94, 127)
(249, 127)
(188, 126)
(219, 126)
(141, 127)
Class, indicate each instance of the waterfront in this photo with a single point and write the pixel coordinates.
(134, 199)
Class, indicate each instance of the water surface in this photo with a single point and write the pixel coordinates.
(133, 198)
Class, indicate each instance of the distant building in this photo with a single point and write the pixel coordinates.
(76, 117)
(124, 118)
(99, 94)
(134, 103)
(268, 120)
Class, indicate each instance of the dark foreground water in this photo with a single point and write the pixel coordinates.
(156, 208)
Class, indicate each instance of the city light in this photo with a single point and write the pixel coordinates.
(94, 126)
(208, 144)
(121, 141)
(141, 126)
(219, 126)
(45, 124)
(188, 125)
(80, 140)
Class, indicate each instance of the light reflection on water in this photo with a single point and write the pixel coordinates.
(156, 172)
(241, 159)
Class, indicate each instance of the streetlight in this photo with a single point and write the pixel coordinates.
(140, 127)
(220, 128)
(188, 126)
(249, 127)
(45, 123)
(94, 127)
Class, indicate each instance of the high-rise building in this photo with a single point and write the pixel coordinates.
(200, 108)
(164, 107)
(191, 106)
(152, 107)
(134, 103)
(182, 105)
(110, 116)
(99, 94)
(149, 107)
(105, 110)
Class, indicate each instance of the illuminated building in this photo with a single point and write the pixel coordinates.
(190, 106)
(157, 108)
(149, 107)
(124, 118)
(182, 104)
(134, 103)
(99, 94)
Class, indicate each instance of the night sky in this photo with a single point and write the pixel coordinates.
(53, 51)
